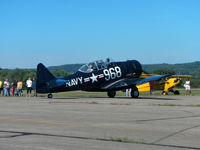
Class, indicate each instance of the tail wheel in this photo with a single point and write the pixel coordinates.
(50, 96)
(111, 94)
(176, 92)
(164, 93)
(134, 92)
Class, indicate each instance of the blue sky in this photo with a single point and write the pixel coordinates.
(57, 32)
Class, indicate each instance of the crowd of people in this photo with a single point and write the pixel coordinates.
(12, 89)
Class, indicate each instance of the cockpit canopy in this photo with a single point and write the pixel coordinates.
(96, 65)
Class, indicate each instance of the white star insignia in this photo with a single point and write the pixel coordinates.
(94, 78)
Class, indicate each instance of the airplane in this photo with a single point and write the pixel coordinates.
(97, 76)
(166, 85)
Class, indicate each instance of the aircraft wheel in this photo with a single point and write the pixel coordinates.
(134, 92)
(176, 92)
(164, 93)
(50, 96)
(111, 94)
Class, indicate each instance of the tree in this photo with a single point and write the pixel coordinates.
(164, 71)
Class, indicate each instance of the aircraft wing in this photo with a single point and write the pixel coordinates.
(173, 76)
(181, 76)
(143, 75)
(128, 82)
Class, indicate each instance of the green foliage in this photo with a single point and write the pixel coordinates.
(185, 68)
(17, 74)
(164, 71)
(59, 73)
(195, 82)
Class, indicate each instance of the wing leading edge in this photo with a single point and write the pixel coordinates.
(129, 82)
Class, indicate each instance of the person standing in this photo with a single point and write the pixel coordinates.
(12, 91)
(19, 88)
(7, 87)
(151, 83)
(34, 88)
(1, 86)
(187, 87)
(128, 92)
(29, 87)
(4, 89)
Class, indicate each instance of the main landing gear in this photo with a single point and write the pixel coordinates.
(134, 92)
(111, 94)
(164, 93)
(176, 92)
(50, 95)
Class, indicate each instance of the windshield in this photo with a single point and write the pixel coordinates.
(84, 68)
(96, 65)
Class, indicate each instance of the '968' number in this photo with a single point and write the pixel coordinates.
(112, 73)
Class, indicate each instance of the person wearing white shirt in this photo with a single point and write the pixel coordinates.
(7, 87)
(187, 87)
(29, 87)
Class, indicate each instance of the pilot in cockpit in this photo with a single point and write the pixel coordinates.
(90, 68)
(107, 62)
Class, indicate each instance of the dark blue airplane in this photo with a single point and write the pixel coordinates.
(96, 76)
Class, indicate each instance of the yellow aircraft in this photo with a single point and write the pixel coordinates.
(165, 85)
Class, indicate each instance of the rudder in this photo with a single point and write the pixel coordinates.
(43, 78)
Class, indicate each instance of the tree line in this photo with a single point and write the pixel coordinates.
(13, 75)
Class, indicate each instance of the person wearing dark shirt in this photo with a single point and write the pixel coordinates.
(34, 88)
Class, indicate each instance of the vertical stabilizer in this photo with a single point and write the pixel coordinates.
(44, 77)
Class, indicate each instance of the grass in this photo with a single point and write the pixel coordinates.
(195, 92)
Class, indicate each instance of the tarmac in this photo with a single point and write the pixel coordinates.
(147, 123)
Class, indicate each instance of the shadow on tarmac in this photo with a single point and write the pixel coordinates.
(19, 134)
(169, 118)
(159, 98)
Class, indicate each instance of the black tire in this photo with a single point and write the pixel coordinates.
(176, 92)
(50, 96)
(111, 94)
(164, 93)
(134, 92)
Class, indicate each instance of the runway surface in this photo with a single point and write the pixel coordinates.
(147, 123)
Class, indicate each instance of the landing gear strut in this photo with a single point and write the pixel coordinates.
(176, 92)
(50, 95)
(134, 92)
(164, 93)
(111, 94)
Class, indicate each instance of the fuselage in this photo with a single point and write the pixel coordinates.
(95, 79)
